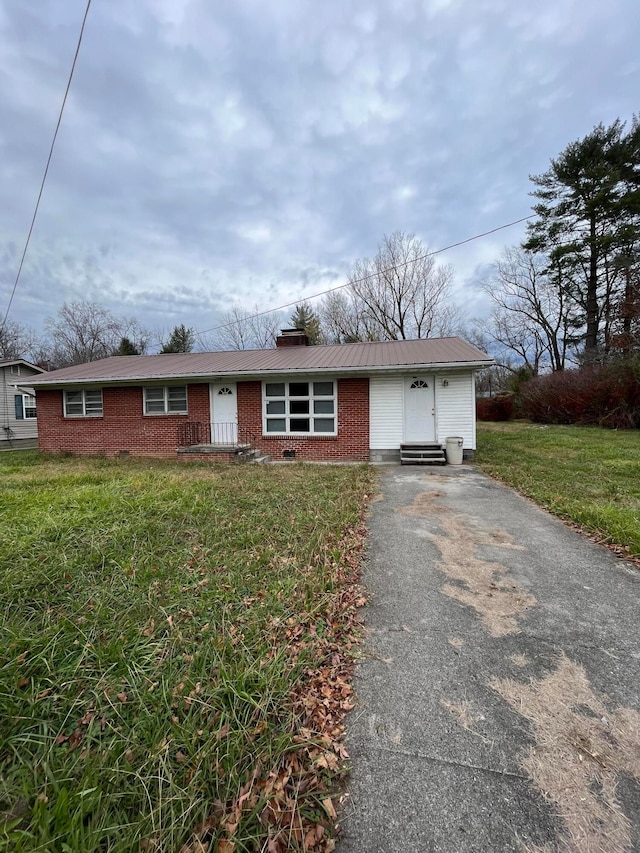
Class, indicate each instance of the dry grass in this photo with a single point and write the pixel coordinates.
(581, 747)
(480, 584)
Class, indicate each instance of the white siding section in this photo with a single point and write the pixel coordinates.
(386, 412)
(456, 408)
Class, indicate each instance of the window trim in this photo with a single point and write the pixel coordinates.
(84, 413)
(287, 416)
(165, 399)
(28, 398)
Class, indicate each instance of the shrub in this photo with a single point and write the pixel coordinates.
(498, 408)
(592, 396)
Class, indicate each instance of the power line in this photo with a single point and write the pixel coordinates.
(371, 275)
(46, 170)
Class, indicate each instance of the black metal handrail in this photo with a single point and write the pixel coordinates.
(231, 435)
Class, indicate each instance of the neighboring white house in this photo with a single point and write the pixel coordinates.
(18, 422)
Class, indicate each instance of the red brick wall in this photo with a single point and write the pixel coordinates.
(121, 427)
(351, 443)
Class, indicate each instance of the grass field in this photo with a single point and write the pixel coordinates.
(175, 652)
(588, 475)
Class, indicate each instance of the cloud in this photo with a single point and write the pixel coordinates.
(252, 152)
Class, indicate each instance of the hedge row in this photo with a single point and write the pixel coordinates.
(592, 396)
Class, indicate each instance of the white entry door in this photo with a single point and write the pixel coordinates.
(224, 413)
(419, 411)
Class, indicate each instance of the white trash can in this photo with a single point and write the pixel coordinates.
(454, 449)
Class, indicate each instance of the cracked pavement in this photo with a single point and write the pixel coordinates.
(498, 694)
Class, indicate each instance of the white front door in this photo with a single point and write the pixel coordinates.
(224, 413)
(419, 411)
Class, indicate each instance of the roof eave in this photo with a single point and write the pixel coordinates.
(258, 374)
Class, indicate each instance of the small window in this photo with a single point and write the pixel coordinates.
(15, 369)
(419, 383)
(323, 389)
(274, 389)
(298, 389)
(29, 406)
(225, 392)
(83, 403)
(165, 400)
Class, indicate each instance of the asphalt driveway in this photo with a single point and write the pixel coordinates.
(500, 689)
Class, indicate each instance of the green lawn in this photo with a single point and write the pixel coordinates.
(175, 652)
(585, 474)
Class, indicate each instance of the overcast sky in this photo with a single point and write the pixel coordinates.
(248, 152)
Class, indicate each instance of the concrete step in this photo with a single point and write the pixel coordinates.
(426, 452)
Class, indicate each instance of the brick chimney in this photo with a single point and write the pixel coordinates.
(292, 338)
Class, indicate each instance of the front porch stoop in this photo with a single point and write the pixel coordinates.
(422, 452)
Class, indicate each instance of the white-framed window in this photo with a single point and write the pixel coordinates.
(29, 406)
(300, 407)
(165, 400)
(85, 403)
(15, 369)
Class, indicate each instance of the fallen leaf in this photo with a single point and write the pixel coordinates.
(328, 807)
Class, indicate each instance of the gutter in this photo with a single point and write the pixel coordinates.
(260, 374)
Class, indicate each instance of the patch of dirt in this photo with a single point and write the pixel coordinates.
(456, 642)
(479, 583)
(580, 749)
(502, 538)
(423, 505)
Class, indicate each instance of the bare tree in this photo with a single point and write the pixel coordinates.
(401, 291)
(533, 317)
(86, 331)
(247, 329)
(16, 341)
(342, 319)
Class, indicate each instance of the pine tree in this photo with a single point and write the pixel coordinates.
(588, 215)
(304, 317)
(127, 347)
(182, 339)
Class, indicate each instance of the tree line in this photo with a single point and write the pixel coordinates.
(568, 295)
(85, 331)
(400, 293)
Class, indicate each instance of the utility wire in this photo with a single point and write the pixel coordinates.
(44, 177)
(371, 275)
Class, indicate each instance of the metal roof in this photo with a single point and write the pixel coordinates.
(342, 358)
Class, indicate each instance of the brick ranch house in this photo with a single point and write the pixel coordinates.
(357, 401)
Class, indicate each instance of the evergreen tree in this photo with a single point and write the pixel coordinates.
(127, 347)
(182, 339)
(304, 317)
(588, 215)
